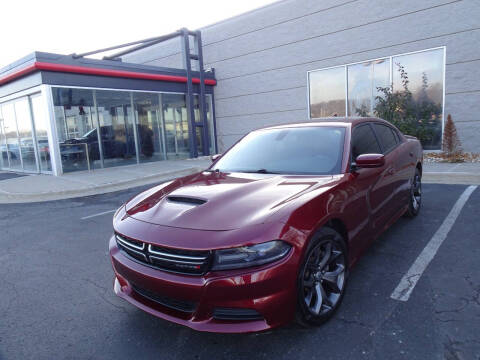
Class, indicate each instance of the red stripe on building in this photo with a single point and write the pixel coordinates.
(99, 72)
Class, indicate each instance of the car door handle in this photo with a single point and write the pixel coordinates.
(391, 171)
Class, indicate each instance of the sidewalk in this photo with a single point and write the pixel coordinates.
(32, 188)
(447, 173)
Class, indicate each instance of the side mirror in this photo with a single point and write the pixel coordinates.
(369, 161)
(215, 157)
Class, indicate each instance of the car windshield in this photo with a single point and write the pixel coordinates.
(301, 150)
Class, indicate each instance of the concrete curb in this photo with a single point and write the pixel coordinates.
(462, 178)
(15, 198)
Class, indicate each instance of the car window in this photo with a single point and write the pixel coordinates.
(386, 137)
(364, 141)
(295, 150)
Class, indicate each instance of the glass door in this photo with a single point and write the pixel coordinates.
(176, 126)
(116, 127)
(150, 139)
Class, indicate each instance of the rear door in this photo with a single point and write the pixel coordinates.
(382, 182)
(397, 165)
(366, 205)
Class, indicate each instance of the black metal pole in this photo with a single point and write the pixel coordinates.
(189, 94)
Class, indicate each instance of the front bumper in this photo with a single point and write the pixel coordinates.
(269, 290)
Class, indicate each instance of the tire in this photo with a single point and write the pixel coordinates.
(415, 198)
(323, 274)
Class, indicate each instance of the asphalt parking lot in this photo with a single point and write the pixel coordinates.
(56, 298)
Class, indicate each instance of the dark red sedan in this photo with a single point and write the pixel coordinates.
(269, 232)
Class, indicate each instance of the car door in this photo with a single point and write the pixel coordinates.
(396, 163)
(360, 207)
(375, 183)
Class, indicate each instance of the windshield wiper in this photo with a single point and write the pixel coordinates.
(259, 171)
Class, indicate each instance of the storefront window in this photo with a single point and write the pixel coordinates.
(375, 86)
(133, 127)
(24, 125)
(149, 126)
(363, 82)
(41, 132)
(3, 145)
(425, 83)
(176, 126)
(116, 127)
(76, 129)
(327, 92)
(11, 137)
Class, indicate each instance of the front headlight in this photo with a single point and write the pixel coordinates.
(248, 256)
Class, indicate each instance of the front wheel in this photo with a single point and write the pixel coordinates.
(415, 199)
(322, 278)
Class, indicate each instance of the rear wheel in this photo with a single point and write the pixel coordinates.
(415, 200)
(322, 278)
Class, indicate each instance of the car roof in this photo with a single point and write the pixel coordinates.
(328, 121)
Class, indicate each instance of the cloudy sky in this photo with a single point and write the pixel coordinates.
(66, 26)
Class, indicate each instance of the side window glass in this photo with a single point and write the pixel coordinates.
(364, 141)
(386, 136)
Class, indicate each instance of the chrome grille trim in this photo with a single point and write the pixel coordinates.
(190, 262)
(129, 244)
(176, 261)
(186, 257)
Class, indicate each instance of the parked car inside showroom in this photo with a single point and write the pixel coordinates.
(269, 232)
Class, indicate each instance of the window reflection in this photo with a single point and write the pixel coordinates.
(150, 130)
(116, 127)
(363, 82)
(131, 127)
(76, 129)
(12, 144)
(425, 76)
(41, 133)
(327, 92)
(24, 126)
(369, 83)
(176, 126)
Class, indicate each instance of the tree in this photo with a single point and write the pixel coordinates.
(412, 116)
(452, 147)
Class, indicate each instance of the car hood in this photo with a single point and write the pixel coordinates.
(221, 201)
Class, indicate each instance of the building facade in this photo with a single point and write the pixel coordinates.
(291, 61)
(297, 60)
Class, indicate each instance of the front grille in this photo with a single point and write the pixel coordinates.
(173, 260)
(175, 304)
(236, 314)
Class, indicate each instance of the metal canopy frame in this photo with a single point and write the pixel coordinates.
(185, 36)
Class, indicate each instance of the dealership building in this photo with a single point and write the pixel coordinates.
(180, 96)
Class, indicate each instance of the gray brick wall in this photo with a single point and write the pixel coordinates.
(262, 57)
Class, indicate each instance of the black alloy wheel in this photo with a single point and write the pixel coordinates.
(415, 199)
(322, 278)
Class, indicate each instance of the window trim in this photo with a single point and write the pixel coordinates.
(369, 124)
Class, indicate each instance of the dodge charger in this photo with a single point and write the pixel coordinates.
(270, 231)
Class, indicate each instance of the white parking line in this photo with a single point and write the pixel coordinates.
(99, 214)
(407, 284)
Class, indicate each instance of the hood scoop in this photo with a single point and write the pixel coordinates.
(186, 200)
